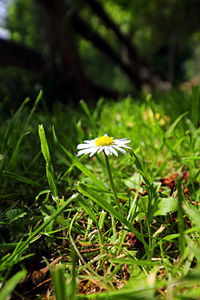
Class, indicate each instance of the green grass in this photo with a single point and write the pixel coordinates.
(59, 213)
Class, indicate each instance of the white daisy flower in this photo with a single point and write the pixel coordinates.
(104, 143)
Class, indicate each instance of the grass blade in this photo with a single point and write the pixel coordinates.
(193, 214)
(47, 157)
(109, 208)
(181, 226)
(33, 109)
(20, 178)
(175, 123)
(11, 284)
(87, 209)
(13, 258)
(15, 154)
(8, 136)
(59, 282)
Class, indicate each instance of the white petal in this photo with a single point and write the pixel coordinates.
(121, 142)
(85, 151)
(89, 141)
(113, 150)
(125, 146)
(100, 149)
(81, 152)
(124, 139)
(125, 142)
(119, 149)
(109, 150)
(94, 151)
(84, 146)
(106, 150)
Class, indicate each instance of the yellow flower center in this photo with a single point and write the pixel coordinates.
(104, 141)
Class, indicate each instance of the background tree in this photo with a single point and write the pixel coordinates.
(86, 49)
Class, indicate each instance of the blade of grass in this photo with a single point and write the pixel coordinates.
(193, 214)
(59, 282)
(49, 167)
(20, 178)
(33, 109)
(140, 168)
(87, 209)
(109, 208)
(195, 105)
(134, 261)
(11, 284)
(15, 154)
(181, 226)
(8, 136)
(13, 258)
(174, 124)
(87, 112)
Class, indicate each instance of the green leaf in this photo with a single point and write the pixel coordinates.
(20, 178)
(9, 137)
(176, 235)
(47, 157)
(191, 158)
(98, 109)
(44, 144)
(59, 282)
(140, 168)
(192, 276)
(175, 123)
(85, 108)
(42, 193)
(194, 248)
(193, 214)
(166, 205)
(123, 261)
(34, 108)
(102, 218)
(15, 154)
(11, 284)
(87, 209)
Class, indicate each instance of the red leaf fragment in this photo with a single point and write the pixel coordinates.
(131, 239)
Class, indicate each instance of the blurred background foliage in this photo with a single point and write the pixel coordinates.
(75, 49)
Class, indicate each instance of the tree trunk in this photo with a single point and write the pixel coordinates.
(63, 48)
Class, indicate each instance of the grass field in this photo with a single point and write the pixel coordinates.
(67, 231)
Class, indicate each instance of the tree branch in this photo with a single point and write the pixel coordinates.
(13, 54)
(88, 33)
(99, 10)
(135, 60)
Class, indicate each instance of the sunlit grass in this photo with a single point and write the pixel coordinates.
(56, 206)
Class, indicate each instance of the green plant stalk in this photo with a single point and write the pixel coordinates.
(148, 221)
(113, 225)
(112, 183)
(181, 227)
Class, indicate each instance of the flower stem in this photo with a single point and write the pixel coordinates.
(111, 182)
